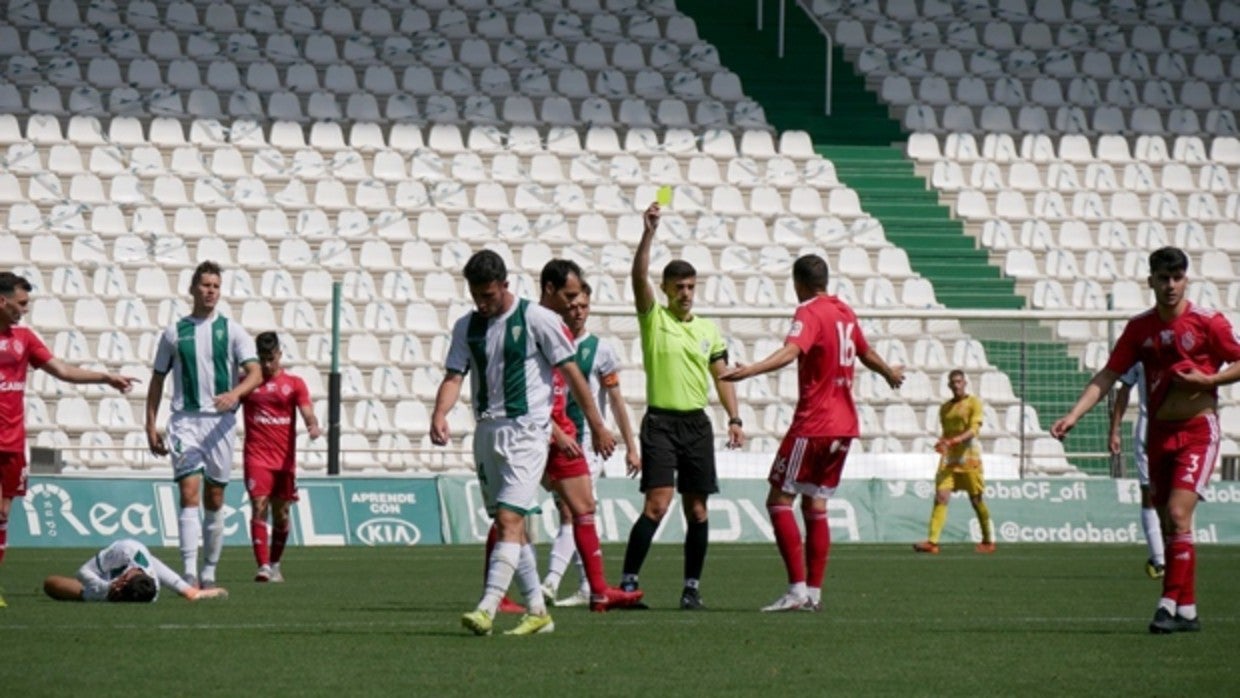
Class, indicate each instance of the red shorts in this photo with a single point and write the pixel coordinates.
(13, 474)
(561, 466)
(276, 483)
(810, 465)
(1182, 455)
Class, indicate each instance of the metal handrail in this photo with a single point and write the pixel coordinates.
(805, 5)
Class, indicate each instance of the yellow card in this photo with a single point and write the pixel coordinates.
(663, 197)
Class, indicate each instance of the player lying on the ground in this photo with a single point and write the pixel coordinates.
(124, 571)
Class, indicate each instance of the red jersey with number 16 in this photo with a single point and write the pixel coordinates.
(830, 338)
(270, 432)
(20, 348)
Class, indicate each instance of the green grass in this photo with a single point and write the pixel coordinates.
(1030, 620)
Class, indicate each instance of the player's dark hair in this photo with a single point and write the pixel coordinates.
(267, 342)
(140, 588)
(207, 267)
(1170, 259)
(811, 271)
(585, 289)
(484, 267)
(556, 273)
(10, 282)
(678, 269)
(955, 372)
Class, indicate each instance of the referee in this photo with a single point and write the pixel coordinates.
(683, 353)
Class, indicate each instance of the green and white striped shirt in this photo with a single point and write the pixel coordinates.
(509, 359)
(205, 357)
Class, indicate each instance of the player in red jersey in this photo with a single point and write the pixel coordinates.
(271, 453)
(826, 341)
(21, 348)
(1182, 349)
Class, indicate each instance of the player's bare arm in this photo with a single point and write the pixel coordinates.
(311, 421)
(564, 442)
(727, 395)
(155, 395)
(445, 398)
(604, 443)
(633, 454)
(894, 375)
(643, 293)
(75, 374)
(1195, 379)
(778, 359)
(1097, 387)
(1117, 416)
(226, 402)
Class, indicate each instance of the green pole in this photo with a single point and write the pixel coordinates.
(333, 389)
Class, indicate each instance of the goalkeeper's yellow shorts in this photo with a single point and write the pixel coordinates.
(960, 481)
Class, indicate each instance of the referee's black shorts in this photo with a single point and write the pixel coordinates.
(678, 448)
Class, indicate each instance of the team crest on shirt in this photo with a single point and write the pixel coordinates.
(219, 334)
(1188, 340)
(704, 346)
(795, 330)
(1166, 337)
(516, 333)
(285, 390)
(585, 354)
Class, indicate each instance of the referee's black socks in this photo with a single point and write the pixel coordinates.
(696, 538)
(640, 538)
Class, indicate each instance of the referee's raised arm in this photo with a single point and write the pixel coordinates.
(643, 293)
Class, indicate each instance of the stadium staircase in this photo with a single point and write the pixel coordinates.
(859, 139)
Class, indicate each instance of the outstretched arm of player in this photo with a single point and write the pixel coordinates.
(643, 294)
(155, 395)
(632, 451)
(1097, 386)
(76, 374)
(604, 443)
(63, 588)
(1117, 416)
(727, 395)
(225, 402)
(778, 359)
(893, 375)
(445, 398)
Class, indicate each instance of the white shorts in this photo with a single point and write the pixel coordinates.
(1139, 456)
(203, 444)
(511, 455)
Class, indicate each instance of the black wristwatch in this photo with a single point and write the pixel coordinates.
(736, 422)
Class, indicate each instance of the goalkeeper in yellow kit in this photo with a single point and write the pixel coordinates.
(960, 463)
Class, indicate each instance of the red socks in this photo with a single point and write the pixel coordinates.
(788, 538)
(1180, 580)
(279, 537)
(258, 540)
(817, 546)
(585, 535)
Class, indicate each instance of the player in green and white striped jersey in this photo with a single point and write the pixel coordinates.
(509, 346)
(207, 354)
(123, 571)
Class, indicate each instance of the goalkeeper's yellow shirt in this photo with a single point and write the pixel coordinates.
(957, 417)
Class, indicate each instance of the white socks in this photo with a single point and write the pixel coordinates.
(1153, 535)
(191, 531)
(502, 566)
(562, 551)
(527, 580)
(213, 541)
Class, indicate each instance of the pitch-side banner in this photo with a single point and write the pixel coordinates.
(881, 511)
(77, 512)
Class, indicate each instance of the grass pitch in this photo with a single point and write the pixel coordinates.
(1029, 620)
